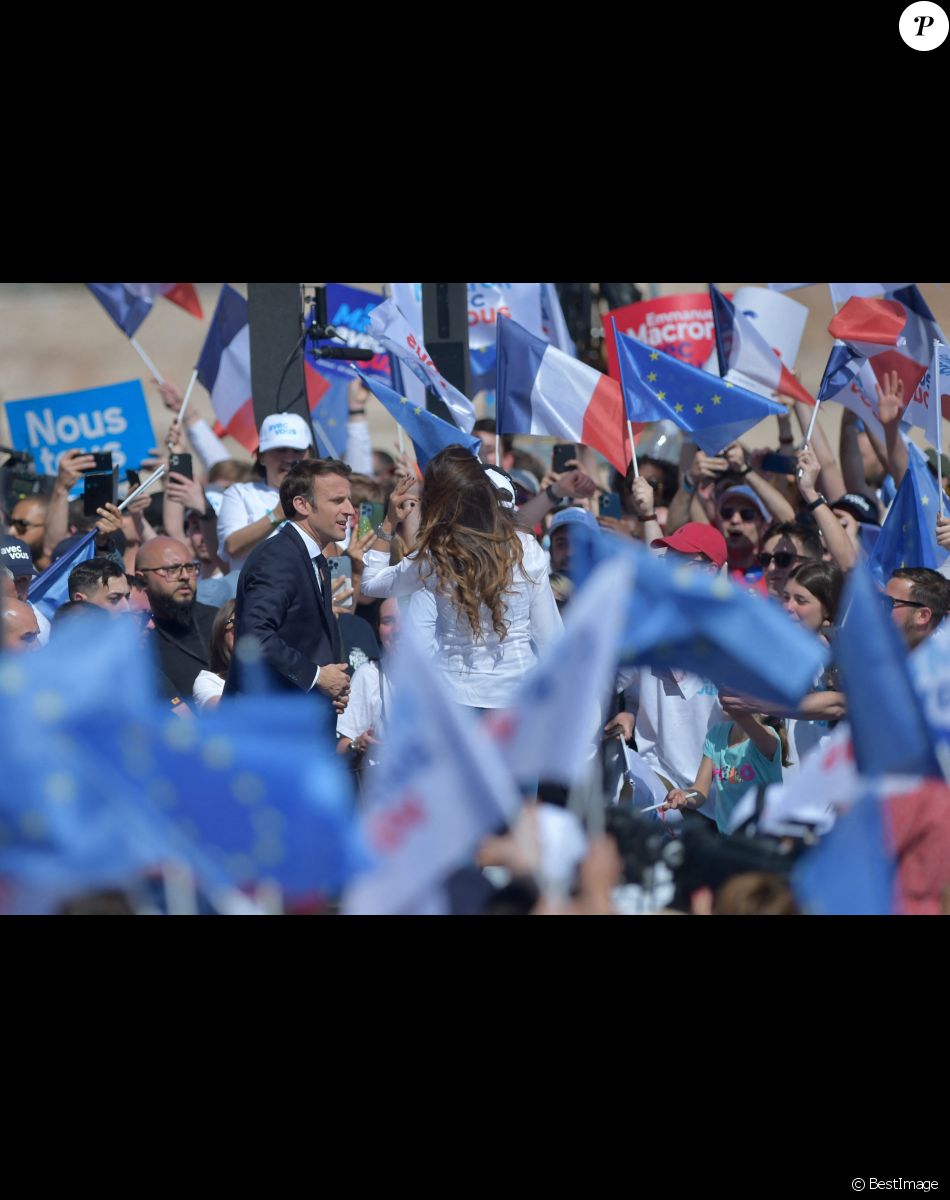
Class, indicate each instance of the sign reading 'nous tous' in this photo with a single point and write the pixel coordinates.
(113, 418)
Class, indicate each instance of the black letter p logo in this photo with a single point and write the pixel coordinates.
(924, 22)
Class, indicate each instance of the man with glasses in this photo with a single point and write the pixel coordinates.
(182, 634)
(920, 599)
(28, 522)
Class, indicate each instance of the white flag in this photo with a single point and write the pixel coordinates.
(552, 729)
(392, 330)
(440, 786)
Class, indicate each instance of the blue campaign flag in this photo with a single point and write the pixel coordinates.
(429, 433)
(48, 591)
(888, 728)
(908, 537)
(681, 616)
(348, 312)
(712, 411)
(852, 871)
(127, 308)
(841, 370)
(113, 418)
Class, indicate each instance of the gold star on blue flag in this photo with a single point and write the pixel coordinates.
(658, 387)
(429, 433)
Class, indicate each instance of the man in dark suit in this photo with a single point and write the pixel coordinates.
(284, 596)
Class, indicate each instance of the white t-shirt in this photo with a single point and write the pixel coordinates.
(208, 686)
(365, 706)
(241, 505)
(673, 718)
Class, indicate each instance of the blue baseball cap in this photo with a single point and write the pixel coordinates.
(574, 516)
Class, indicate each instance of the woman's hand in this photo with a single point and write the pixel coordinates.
(358, 547)
(890, 400)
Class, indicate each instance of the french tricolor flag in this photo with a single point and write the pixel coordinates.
(224, 368)
(543, 391)
(741, 347)
(894, 334)
(182, 294)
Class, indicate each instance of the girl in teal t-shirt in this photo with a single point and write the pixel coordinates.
(748, 751)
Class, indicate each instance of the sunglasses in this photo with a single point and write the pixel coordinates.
(903, 603)
(22, 526)
(727, 512)
(174, 570)
(782, 559)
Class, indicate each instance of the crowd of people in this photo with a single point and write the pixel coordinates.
(478, 554)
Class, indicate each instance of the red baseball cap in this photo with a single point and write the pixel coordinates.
(696, 538)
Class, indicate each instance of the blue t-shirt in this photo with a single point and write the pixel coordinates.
(738, 768)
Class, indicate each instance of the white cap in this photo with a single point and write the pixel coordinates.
(285, 429)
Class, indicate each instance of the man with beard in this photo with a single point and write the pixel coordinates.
(182, 634)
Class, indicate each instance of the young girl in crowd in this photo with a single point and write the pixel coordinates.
(810, 596)
(745, 752)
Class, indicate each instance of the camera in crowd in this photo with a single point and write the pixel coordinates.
(700, 856)
(18, 479)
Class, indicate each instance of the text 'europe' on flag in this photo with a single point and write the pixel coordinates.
(391, 329)
(894, 334)
(541, 390)
(429, 433)
(742, 347)
(714, 412)
(224, 368)
(908, 537)
(439, 788)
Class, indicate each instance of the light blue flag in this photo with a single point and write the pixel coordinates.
(886, 716)
(712, 411)
(429, 433)
(49, 590)
(127, 308)
(681, 616)
(852, 871)
(908, 537)
(439, 788)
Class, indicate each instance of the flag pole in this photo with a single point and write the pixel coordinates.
(145, 359)
(400, 438)
(143, 486)
(321, 433)
(935, 393)
(184, 403)
(633, 451)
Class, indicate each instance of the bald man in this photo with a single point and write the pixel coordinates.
(20, 629)
(182, 633)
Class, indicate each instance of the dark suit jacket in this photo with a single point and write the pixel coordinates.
(278, 604)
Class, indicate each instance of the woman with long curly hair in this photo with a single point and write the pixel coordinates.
(483, 595)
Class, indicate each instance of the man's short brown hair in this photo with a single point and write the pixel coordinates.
(927, 587)
(299, 480)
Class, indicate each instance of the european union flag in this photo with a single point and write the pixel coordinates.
(683, 617)
(331, 412)
(908, 537)
(49, 590)
(886, 715)
(713, 412)
(851, 872)
(429, 433)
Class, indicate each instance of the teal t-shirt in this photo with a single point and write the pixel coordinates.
(738, 768)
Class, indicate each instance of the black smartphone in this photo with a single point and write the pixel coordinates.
(342, 565)
(103, 460)
(779, 464)
(562, 454)
(133, 479)
(99, 488)
(610, 505)
(181, 463)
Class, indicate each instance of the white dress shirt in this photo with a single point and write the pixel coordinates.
(482, 673)
(313, 549)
